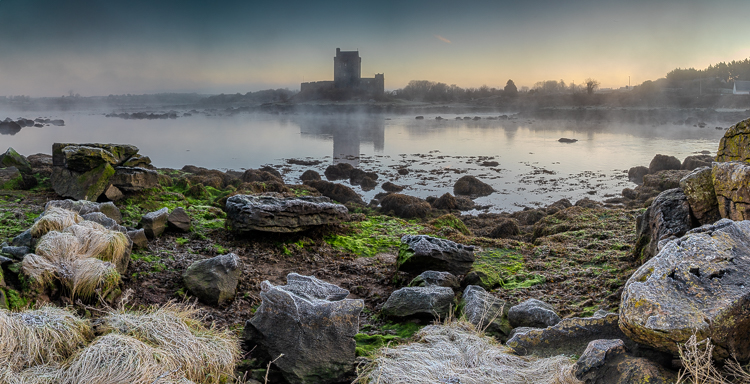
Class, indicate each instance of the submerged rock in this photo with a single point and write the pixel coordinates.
(312, 324)
(698, 283)
(338, 171)
(405, 206)
(663, 162)
(635, 174)
(470, 185)
(214, 281)
(274, 214)
(419, 253)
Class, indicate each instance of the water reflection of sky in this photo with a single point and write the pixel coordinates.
(534, 168)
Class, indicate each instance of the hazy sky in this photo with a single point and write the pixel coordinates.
(101, 47)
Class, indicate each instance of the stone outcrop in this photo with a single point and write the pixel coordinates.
(309, 175)
(338, 171)
(312, 323)
(405, 206)
(419, 253)
(696, 161)
(486, 311)
(731, 183)
(446, 201)
(533, 313)
(606, 361)
(214, 281)
(86, 171)
(505, 228)
(470, 185)
(431, 301)
(698, 186)
(735, 145)
(667, 218)
(663, 162)
(336, 192)
(635, 174)
(277, 214)
(696, 283)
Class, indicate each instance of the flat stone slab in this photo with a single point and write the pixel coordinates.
(282, 214)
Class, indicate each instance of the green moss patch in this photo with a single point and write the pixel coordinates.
(450, 221)
(375, 234)
(368, 343)
(505, 268)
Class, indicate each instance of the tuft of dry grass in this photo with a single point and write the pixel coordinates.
(54, 219)
(204, 354)
(46, 335)
(455, 352)
(91, 274)
(100, 242)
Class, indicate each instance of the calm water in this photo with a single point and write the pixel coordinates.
(534, 168)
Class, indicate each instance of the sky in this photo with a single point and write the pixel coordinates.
(102, 47)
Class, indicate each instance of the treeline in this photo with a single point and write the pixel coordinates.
(264, 96)
(425, 90)
(723, 72)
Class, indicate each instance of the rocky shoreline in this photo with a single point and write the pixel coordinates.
(308, 270)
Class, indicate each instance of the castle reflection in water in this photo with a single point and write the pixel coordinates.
(348, 133)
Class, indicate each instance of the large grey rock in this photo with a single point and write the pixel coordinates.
(735, 145)
(667, 218)
(698, 186)
(83, 207)
(24, 239)
(104, 220)
(486, 312)
(533, 313)
(11, 158)
(133, 179)
(138, 161)
(731, 183)
(138, 237)
(696, 283)
(440, 279)
(419, 253)
(312, 323)
(470, 185)
(432, 301)
(179, 220)
(214, 281)
(15, 252)
(606, 361)
(275, 214)
(154, 223)
(571, 336)
(88, 185)
(696, 161)
(81, 158)
(119, 153)
(663, 162)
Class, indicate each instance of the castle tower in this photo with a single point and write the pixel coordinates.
(347, 69)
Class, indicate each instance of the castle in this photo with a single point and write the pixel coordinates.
(347, 77)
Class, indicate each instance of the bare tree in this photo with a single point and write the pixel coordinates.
(591, 85)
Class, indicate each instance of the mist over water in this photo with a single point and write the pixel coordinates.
(534, 168)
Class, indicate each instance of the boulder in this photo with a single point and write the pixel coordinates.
(281, 214)
(571, 336)
(113, 193)
(83, 207)
(15, 252)
(663, 162)
(82, 186)
(10, 178)
(558, 205)
(505, 228)
(310, 175)
(533, 313)
(104, 220)
(486, 312)
(390, 187)
(663, 180)
(368, 184)
(337, 192)
(179, 220)
(698, 187)
(405, 206)
(154, 223)
(271, 170)
(635, 174)
(435, 278)
(357, 176)
(419, 253)
(252, 175)
(588, 203)
(338, 171)
(425, 302)
(730, 181)
(115, 154)
(131, 179)
(696, 161)
(41, 163)
(81, 158)
(698, 283)
(446, 201)
(667, 218)
(11, 158)
(138, 237)
(735, 145)
(138, 161)
(214, 281)
(606, 361)
(471, 186)
(312, 324)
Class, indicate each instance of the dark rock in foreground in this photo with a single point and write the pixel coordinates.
(419, 253)
(275, 214)
(470, 185)
(486, 311)
(735, 145)
(337, 192)
(312, 323)
(154, 223)
(405, 206)
(667, 218)
(430, 301)
(214, 281)
(533, 313)
(606, 361)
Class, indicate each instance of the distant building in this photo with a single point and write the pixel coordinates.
(347, 76)
(741, 87)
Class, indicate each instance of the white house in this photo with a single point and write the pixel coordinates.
(741, 87)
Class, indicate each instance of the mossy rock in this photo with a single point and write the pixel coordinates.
(735, 145)
(11, 158)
